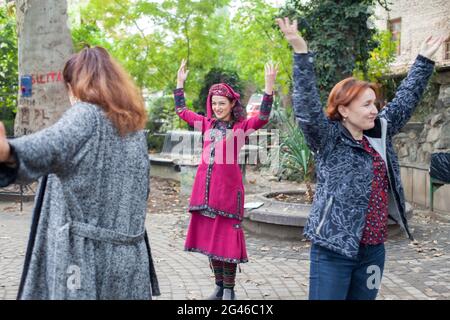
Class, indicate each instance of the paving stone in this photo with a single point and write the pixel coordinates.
(279, 273)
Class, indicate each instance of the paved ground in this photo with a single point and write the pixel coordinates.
(278, 269)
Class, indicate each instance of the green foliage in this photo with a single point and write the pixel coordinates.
(155, 141)
(8, 65)
(380, 59)
(279, 114)
(88, 35)
(150, 38)
(252, 39)
(160, 113)
(426, 104)
(339, 34)
(296, 161)
(9, 126)
(379, 72)
(160, 120)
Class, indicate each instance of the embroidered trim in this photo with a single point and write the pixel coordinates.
(219, 133)
(178, 92)
(268, 97)
(266, 104)
(239, 203)
(206, 210)
(212, 256)
(219, 130)
(208, 173)
(221, 90)
(266, 107)
(180, 103)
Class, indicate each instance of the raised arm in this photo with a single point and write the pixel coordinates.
(51, 150)
(193, 119)
(8, 163)
(409, 93)
(306, 100)
(260, 120)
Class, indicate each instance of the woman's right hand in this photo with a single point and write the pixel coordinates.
(182, 74)
(5, 150)
(292, 35)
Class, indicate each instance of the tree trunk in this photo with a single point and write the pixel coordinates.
(44, 45)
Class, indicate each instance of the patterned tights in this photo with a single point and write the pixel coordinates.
(224, 272)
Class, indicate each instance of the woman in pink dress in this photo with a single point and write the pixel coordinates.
(217, 200)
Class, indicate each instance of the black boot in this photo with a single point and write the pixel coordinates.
(228, 294)
(217, 294)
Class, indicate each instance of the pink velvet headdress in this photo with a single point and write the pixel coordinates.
(224, 90)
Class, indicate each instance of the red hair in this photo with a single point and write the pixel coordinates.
(343, 94)
(97, 78)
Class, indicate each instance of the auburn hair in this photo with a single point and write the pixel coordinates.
(344, 92)
(95, 77)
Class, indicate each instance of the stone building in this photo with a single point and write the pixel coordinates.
(411, 22)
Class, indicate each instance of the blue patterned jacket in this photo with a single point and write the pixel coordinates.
(344, 169)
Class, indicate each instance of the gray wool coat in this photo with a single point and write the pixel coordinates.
(88, 238)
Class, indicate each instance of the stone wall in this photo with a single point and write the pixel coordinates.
(417, 141)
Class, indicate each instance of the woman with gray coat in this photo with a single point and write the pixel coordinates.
(358, 174)
(88, 238)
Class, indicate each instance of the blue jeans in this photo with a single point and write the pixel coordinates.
(337, 277)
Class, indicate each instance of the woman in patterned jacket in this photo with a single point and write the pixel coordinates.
(358, 176)
(217, 200)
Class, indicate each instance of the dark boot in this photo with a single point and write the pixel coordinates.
(217, 294)
(228, 294)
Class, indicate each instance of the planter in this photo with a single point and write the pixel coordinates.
(286, 220)
(187, 176)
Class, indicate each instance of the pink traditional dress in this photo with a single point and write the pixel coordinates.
(217, 200)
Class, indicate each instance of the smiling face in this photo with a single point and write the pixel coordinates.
(361, 112)
(222, 108)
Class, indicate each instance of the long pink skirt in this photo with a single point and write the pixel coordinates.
(219, 238)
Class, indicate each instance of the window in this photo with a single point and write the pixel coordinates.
(395, 27)
(447, 49)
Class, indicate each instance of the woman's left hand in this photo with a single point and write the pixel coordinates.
(182, 74)
(271, 71)
(430, 46)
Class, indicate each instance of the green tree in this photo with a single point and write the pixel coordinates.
(378, 64)
(340, 35)
(9, 61)
(89, 35)
(150, 39)
(254, 39)
(159, 35)
(8, 69)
